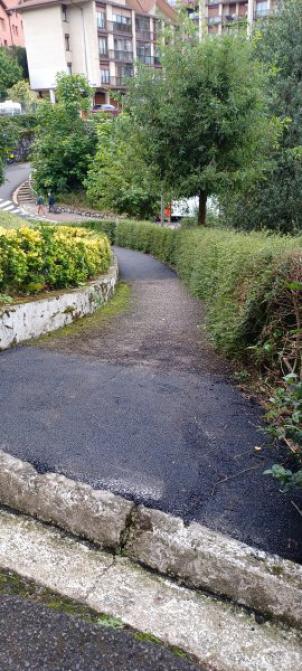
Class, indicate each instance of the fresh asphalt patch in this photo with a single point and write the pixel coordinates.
(142, 406)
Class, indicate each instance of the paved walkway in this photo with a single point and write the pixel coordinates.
(142, 406)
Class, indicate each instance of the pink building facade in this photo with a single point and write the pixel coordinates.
(11, 26)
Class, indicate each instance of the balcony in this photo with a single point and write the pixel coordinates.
(143, 35)
(149, 60)
(121, 56)
(214, 20)
(115, 82)
(117, 27)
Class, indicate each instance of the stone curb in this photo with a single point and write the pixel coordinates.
(197, 556)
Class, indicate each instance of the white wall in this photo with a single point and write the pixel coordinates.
(45, 45)
(82, 24)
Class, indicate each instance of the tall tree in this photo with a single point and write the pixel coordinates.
(118, 178)
(10, 71)
(275, 201)
(201, 119)
(65, 142)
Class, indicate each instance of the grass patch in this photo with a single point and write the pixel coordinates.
(8, 220)
(80, 327)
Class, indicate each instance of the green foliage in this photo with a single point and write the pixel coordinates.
(275, 201)
(250, 282)
(201, 120)
(64, 144)
(148, 238)
(118, 179)
(48, 257)
(21, 93)
(19, 54)
(74, 92)
(10, 71)
(103, 226)
(285, 423)
(8, 141)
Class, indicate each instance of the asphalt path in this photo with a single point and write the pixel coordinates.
(38, 638)
(145, 408)
(15, 174)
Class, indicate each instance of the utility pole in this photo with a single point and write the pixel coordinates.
(201, 18)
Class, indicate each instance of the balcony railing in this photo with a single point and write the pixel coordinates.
(117, 27)
(115, 82)
(148, 60)
(143, 35)
(121, 56)
(102, 28)
(262, 13)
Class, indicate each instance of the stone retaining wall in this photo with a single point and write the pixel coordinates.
(32, 318)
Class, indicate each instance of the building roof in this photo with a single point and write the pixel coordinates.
(140, 6)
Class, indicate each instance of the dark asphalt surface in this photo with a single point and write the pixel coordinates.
(143, 407)
(15, 174)
(37, 638)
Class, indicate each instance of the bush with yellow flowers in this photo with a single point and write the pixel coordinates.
(50, 257)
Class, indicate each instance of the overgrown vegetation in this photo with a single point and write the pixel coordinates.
(65, 138)
(118, 179)
(252, 286)
(47, 257)
(274, 200)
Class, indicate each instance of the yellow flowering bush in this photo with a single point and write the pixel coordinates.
(50, 257)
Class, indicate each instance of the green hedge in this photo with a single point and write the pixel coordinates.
(49, 257)
(251, 283)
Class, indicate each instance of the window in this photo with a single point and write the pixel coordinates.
(105, 76)
(144, 49)
(2, 24)
(124, 71)
(103, 47)
(67, 42)
(119, 18)
(64, 13)
(121, 44)
(69, 68)
(142, 23)
(262, 8)
(101, 19)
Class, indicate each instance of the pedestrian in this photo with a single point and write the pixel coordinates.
(40, 205)
(51, 202)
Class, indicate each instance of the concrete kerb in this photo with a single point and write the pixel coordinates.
(194, 555)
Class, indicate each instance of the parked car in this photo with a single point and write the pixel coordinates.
(108, 109)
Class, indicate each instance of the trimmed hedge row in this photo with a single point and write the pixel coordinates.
(252, 284)
(49, 257)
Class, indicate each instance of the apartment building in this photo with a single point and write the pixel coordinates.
(11, 25)
(217, 16)
(101, 39)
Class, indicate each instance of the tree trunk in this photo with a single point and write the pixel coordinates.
(202, 209)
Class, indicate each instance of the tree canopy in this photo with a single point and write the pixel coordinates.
(201, 120)
(275, 200)
(10, 71)
(119, 179)
(65, 142)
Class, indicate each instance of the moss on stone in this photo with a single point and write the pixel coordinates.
(119, 303)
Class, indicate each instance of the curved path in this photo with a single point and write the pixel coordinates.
(141, 405)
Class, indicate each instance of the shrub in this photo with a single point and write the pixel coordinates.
(251, 283)
(48, 257)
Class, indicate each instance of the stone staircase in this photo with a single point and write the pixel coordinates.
(25, 193)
